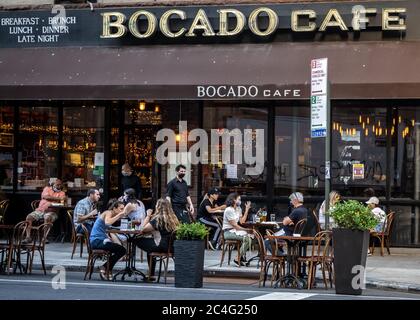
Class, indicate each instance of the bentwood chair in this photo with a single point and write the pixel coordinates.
(321, 255)
(229, 246)
(384, 237)
(162, 257)
(265, 260)
(39, 245)
(94, 255)
(75, 237)
(35, 204)
(4, 204)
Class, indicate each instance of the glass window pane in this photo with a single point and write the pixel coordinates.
(406, 227)
(83, 147)
(232, 115)
(6, 148)
(37, 147)
(406, 153)
(298, 159)
(358, 150)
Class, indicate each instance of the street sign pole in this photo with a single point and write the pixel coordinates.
(321, 118)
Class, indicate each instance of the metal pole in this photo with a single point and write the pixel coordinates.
(328, 160)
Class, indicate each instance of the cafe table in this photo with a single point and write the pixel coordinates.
(130, 263)
(290, 280)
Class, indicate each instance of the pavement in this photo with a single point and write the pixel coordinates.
(399, 271)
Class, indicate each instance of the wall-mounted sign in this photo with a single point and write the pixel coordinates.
(152, 25)
(358, 171)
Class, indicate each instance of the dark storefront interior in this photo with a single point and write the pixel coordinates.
(46, 139)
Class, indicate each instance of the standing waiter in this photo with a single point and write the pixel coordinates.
(177, 194)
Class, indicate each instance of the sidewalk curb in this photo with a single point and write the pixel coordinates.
(370, 283)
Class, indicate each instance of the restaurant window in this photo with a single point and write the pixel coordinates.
(405, 151)
(6, 148)
(232, 115)
(37, 147)
(298, 159)
(358, 150)
(114, 170)
(83, 147)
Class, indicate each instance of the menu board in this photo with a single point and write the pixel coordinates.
(6, 140)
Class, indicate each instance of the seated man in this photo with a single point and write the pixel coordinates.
(50, 194)
(298, 213)
(85, 211)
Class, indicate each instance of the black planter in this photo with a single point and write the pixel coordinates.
(350, 249)
(189, 263)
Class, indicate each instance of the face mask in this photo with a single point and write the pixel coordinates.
(126, 174)
(238, 203)
(55, 189)
(181, 175)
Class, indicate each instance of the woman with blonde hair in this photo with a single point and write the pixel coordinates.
(161, 224)
(334, 199)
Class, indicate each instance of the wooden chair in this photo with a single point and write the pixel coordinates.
(39, 245)
(322, 255)
(384, 237)
(4, 204)
(300, 225)
(316, 220)
(75, 237)
(163, 257)
(35, 204)
(18, 248)
(228, 245)
(266, 260)
(94, 255)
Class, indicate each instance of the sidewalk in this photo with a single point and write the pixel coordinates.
(399, 271)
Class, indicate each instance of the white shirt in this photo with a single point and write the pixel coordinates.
(379, 213)
(231, 214)
(321, 216)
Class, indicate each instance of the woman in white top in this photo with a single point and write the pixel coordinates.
(231, 229)
(373, 204)
(334, 199)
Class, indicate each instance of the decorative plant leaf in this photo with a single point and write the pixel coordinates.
(191, 231)
(353, 215)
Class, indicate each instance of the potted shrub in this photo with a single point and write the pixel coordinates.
(351, 241)
(189, 248)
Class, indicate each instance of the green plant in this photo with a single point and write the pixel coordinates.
(353, 215)
(191, 231)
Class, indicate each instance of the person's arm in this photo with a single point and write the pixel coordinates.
(245, 215)
(45, 195)
(236, 226)
(213, 210)
(148, 217)
(287, 221)
(111, 220)
(191, 207)
(81, 217)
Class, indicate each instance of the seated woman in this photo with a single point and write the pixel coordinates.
(373, 204)
(334, 199)
(206, 215)
(99, 238)
(162, 223)
(231, 229)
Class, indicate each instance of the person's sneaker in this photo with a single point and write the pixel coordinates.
(26, 240)
(212, 245)
(237, 263)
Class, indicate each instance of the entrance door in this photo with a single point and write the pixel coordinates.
(140, 150)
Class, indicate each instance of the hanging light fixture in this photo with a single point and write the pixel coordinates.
(142, 105)
(157, 108)
(366, 132)
(178, 136)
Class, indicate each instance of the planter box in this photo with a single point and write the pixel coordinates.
(189, 263)
(350, 250)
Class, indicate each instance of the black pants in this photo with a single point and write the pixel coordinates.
(149, 245)
(181, 213)
(117, 251)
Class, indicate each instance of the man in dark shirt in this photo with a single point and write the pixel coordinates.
(299, 212)
(177, 193)
(130, 180)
